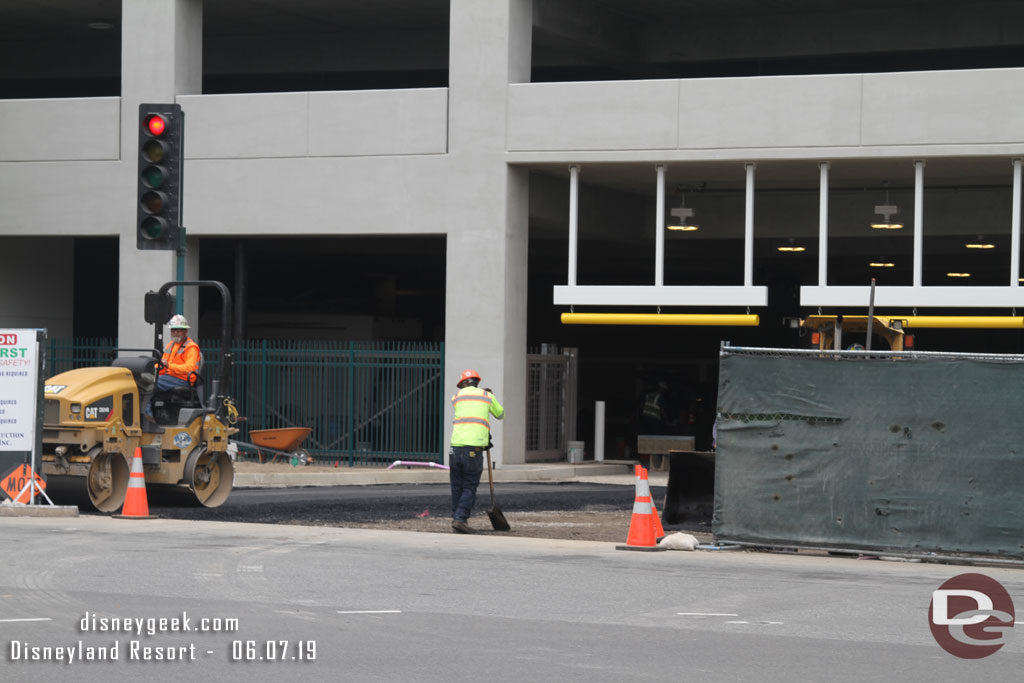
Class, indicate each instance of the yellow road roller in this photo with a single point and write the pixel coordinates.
(94, 419)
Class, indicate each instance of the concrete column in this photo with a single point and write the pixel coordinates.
(161, 57)
(488, 202)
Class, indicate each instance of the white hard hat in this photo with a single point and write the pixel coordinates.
(178, 322)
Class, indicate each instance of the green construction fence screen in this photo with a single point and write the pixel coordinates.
(366, 403)
(899, 451)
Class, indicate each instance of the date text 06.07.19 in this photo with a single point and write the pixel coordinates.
(273, 651)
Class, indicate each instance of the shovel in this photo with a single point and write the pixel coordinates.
(498, 520)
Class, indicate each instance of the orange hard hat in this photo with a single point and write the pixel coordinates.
(468, 374)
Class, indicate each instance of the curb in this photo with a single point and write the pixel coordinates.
(38, 511)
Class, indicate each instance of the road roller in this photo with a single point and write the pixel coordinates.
(95, 418)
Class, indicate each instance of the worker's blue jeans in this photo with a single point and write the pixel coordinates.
(163, 383)
(466, 464)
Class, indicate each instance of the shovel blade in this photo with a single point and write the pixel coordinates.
(498, 520)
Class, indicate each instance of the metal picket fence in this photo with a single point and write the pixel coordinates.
(67, 354)
(551, 405)
(367, 403)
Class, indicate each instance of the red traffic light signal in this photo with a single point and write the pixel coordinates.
(156, 124)
(161, 127)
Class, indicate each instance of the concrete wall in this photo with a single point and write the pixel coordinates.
(367, 162)
(319, 124)
(781, 116)
(85, 129)
(622, 115)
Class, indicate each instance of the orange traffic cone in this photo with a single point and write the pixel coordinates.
(642, 524)
(659, 530)
(135, 504)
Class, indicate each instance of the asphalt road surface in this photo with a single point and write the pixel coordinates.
(291, 603)
(392, 501)
(577, 511)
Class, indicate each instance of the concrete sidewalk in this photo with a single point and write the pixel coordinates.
(274, 475)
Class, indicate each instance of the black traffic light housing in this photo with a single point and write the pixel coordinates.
(161, 161)
(158, 308)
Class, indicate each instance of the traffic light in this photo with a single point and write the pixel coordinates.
(161, 128)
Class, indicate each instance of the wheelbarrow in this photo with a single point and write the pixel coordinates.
(283, 442)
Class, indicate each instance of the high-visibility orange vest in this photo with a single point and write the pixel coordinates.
(181, 359)
(473, 408)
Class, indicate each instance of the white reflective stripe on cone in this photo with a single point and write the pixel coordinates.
(642, 507)
(137, 479)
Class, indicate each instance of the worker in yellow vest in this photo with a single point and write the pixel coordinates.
(471, 436)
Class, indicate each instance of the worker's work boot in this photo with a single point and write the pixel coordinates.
(463, 528)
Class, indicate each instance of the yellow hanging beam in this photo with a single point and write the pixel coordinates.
(710, 319)
(977, 322)
(992, 322)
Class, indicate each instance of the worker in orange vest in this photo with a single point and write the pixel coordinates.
(180, 361)
(471, 436)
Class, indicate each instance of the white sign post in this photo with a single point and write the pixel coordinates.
(21, 367)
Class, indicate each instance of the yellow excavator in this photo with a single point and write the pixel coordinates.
(93, 421)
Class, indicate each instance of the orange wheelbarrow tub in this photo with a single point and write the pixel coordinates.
(280, 442)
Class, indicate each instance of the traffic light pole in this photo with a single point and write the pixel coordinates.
(182, 240)
(182, 248)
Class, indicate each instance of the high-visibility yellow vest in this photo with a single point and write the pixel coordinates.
(652, 406)
(473, 408)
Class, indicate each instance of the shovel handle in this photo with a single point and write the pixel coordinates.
(490, 477)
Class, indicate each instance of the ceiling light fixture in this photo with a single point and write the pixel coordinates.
(882, 264)
(887, 211)
(958, 274)
(980, 244)
(681, 216)
(793, 246)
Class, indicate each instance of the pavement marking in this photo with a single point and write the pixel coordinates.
(8, 621)
(724, 614)
(370, 611)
